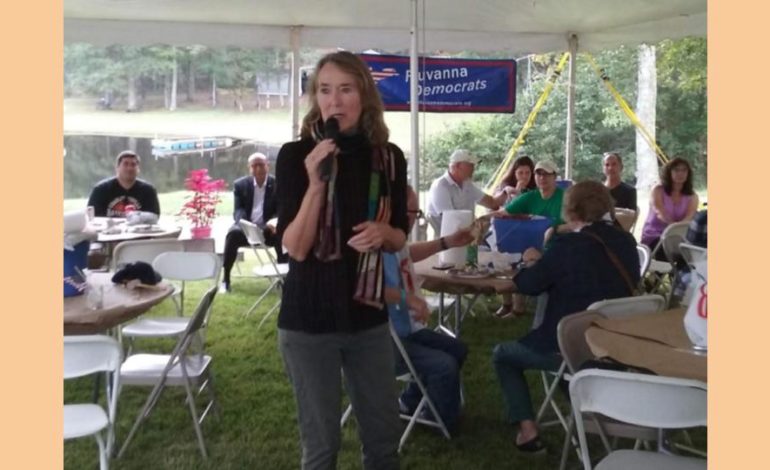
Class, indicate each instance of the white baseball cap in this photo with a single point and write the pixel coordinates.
(462, 155)
(548, 166)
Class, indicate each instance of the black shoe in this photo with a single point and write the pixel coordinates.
(533, 446)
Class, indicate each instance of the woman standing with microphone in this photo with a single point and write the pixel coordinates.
(333, 318)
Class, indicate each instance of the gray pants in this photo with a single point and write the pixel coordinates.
(313, 363)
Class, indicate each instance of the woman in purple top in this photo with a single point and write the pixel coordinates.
(672, 201)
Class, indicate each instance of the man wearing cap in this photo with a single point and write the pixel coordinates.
(547, 202)
(114, 197)
(255, 201)
(455, 190)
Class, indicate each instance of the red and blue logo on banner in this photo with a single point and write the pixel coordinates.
(446, 85)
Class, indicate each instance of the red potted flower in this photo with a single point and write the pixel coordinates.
(200, 207)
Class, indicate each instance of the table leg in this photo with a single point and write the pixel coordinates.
(458, 313)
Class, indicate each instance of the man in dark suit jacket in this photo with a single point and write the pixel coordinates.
(255, 201)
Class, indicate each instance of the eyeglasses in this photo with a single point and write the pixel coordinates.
(417, 213)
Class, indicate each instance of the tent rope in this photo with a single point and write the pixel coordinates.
(499, 174)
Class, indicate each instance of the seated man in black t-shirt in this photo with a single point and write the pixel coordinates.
(114, 197)
(624, 194)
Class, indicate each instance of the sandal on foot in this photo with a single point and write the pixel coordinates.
(533, 446)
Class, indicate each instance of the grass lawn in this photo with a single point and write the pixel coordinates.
(257, 428)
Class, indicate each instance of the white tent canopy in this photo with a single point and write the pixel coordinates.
(519, 26)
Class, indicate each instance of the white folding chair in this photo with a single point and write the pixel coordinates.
(641, 400)
(131, 251)
(268, 267)
(670, 239)
(86, 355)
(691, 254)
(611, 308)
(175, 266)
(410, 376)
(574, 349)
(648, 303)
(626, 218)
(181, 368)
(644, 259)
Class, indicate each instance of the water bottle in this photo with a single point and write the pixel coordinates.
(472, 255)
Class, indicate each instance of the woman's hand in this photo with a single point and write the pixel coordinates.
(511, 191)
(370, 236)
(418, 308)
(321, 151)
(530, 256)
(520, 186)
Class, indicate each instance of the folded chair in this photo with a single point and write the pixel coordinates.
(175, 266)
(410, 376)
(86, 355)
(641, 400)
(181, 368)
(613, 307)
(268, 268)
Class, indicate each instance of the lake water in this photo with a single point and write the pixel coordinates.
(91, 158)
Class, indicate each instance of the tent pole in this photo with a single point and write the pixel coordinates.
(414, 158)
(569, 158)
(294, 87)
(414, 99)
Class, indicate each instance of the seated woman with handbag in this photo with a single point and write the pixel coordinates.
(597, 260)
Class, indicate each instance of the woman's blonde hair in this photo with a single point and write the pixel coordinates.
(586, 201)
(372, 120)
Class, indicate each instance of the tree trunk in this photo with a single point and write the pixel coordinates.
(191, 81)
(131, 104)
(213, 91)
(646, 161)
(174, 80)
(167, 91)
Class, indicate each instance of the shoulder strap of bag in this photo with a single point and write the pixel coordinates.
(615, 261)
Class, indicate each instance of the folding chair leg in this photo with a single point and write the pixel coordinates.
(270, 312)
(550, 389)
(566, 444)
(194, 415)
(103, 457)
(213, 395)
(346, 415)
(261, 297)
(148, 406)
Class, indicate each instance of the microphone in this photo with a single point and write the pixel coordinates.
(331, 131)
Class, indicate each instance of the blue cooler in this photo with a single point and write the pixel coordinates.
(515, 236)
(77, 258)
(563, 184)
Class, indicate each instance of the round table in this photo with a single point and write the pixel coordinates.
(442, 281)
(120, 305)
(655, 341)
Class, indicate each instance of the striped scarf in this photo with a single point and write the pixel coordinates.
(328, 246)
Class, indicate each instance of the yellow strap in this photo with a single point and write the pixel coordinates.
(499, 174)
(627, 109)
